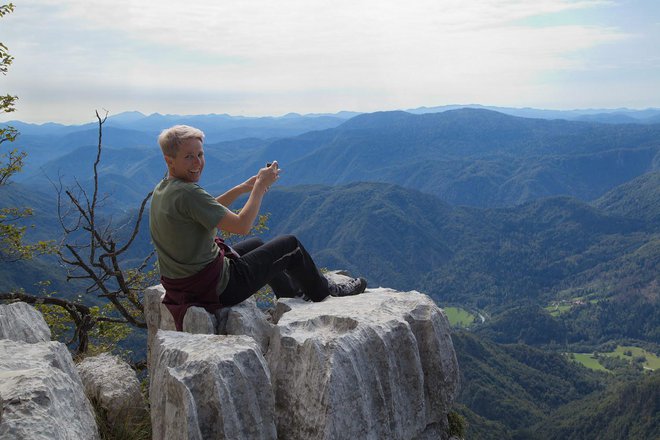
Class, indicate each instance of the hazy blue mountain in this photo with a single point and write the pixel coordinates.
(224, 127)
(472, 157)
(217, 128)
(619, 115)
(46, 129)
(468, 156)
(42, 149)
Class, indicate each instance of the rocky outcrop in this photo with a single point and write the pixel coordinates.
(42, 395)
(113, 385)
(21, 322)
(372, 366)
(210, 387)
(42, 392)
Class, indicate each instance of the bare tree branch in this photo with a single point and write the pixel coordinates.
(97, 257)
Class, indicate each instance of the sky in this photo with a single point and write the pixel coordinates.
(266, 57)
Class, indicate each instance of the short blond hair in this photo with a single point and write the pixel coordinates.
(171, 138)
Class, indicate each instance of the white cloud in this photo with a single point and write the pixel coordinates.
(312, 54)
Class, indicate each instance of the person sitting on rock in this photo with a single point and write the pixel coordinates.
(197, 268)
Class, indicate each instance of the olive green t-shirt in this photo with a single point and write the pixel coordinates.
(183, 221)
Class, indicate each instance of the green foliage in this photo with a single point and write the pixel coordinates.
(457, 424)
(6, 101)
(12, 161)
(12, 247)
(104, 336)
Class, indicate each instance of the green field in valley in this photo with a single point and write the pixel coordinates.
(628, 353)
(589, 361)
(631, 353)
(459, 317)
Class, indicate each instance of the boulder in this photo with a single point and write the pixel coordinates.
(113, 384)
(21, 322)
(42, 393)
(210, 387)
(372, 366)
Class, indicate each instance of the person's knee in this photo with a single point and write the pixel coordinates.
(257, 241)
(285, 238)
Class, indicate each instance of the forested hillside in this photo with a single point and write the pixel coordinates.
(508, 388)
(628, 410)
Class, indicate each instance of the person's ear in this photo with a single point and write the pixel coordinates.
(169, 161)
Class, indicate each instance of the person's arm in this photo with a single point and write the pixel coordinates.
(242, 222)
(228, 198)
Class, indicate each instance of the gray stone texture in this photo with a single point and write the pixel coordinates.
(210, 387)
(113, 384)
(43, 395)
(373, 366)
(21, 322)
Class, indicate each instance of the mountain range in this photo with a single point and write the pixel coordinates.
(467, 156)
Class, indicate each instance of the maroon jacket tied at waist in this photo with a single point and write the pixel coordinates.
(196, 290)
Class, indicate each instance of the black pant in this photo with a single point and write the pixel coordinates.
(283, 263)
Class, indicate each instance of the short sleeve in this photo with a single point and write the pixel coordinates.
(203, 208)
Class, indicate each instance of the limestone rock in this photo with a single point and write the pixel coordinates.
(113, 384)
(151, 302)
(21, 322)
(43, 395)
(372, 366)
(247, 319)
(210, 387)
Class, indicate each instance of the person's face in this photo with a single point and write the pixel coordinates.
(189, 161)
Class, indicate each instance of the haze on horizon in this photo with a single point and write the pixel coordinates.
(257, 57)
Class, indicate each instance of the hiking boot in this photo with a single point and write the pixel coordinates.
(347, 287)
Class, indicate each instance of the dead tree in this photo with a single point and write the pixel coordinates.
(93, 252)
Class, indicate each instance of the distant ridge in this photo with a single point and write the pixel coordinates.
(467, 156)
(613, 116)
(603, 115)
